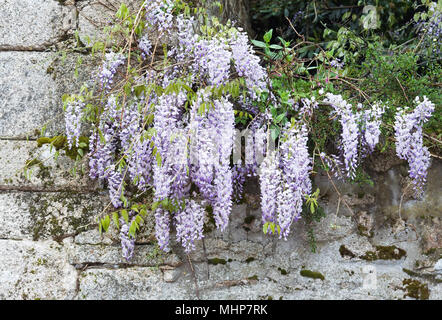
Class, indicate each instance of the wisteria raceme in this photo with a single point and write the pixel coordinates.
(350, 132)
(130, 127)
(109, 68)
(289, 209)
(334, 164)
(101, 153)
(162, 229)
(223, 119)
(127, 241)
(116, 185)
(296, 162)
(189, 225)
(371, 126)
(159, 14)
(239, 172)
(296, 166)
(216, 63)
(73, 114)
(140, 163)
(308, 106)
(247, 63)
(409, 141)
(270, 180)
(145, 46)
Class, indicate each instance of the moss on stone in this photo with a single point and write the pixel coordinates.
(345, 252)
(254, 277)
(216, 261)
(415, 289)
(384, 253)
(312, 274)
(390, 252)
(61, 143)
(283, 271)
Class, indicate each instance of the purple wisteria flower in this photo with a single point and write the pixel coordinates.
(270, 180)
(189, 225)
(350, 132)
(73, 114)
(409, 141)
(127, 241)
(109, 68)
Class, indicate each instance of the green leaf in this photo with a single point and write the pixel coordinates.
(272, 226)
(279, 118)
(268, 36)
(259, 44)
(105, 223)
(125, 215)
(115, 217)
(155, 205)
(312, 207)
(275, 46)
(274, 133)
(265, 227)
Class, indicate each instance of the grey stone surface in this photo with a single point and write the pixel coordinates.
(34, 25)
(22, 163)
(144, 255)
(27, 93)
(35, 270)
(94, 16)
(31, 89)
(41, 215)
(130, 283)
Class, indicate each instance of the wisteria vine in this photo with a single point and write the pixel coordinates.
(173, 132)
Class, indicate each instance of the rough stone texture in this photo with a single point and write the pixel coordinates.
(95, 15)
(33, 25)
(130, 283)
(144, 255)
(25, 107)
(31, 88)
(41, 215)
(22, 163)
(35, 270)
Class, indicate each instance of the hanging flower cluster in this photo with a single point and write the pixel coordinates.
(285, 180)
(360, 132)
(409, 141)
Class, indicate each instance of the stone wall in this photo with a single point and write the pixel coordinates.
(50, 247)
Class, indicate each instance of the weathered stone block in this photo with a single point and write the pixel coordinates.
(35, 270)
(22, 163)
(144, 255)
(31, 89)
(33, 25)
(41, 215)
(27, 93)
(95, 15)
(129, 284)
